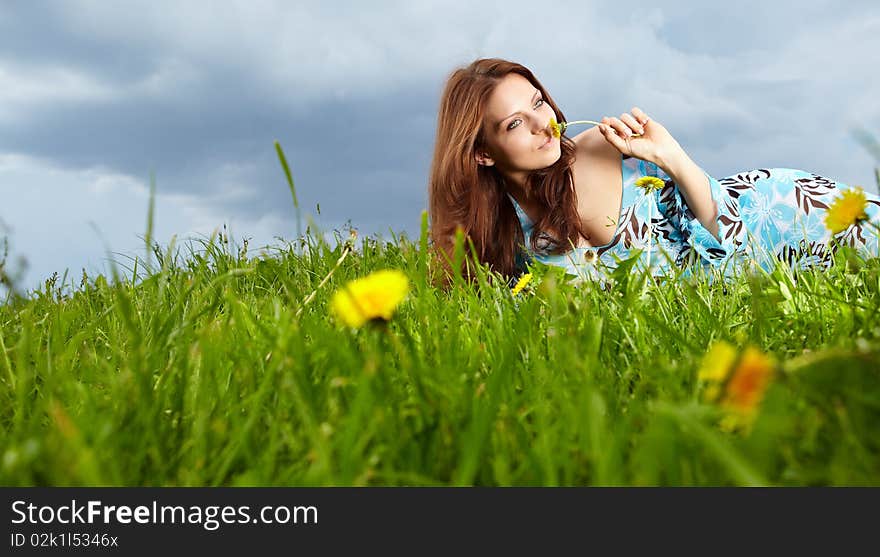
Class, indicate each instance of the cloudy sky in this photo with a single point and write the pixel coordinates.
(96, 95)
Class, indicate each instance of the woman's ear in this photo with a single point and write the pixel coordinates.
(484, 159)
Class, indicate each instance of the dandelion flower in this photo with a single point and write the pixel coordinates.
(650, 183)
(375, 296)
(521, 283)
(715, 367)
(555, 128)
(846, 210)
(717, 362)
(745, 388)
(737, 383)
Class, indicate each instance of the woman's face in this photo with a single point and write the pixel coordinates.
(517, 128)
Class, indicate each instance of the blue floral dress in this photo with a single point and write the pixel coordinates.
(764, 215)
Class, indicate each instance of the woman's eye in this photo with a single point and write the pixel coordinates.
(537, 104)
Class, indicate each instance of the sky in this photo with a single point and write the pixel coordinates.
(96, 97)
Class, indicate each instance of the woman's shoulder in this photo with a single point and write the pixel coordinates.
(592, 147)
(589, 139)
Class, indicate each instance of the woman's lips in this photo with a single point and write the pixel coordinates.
(546, 143)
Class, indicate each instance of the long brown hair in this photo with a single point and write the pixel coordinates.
(463, 194)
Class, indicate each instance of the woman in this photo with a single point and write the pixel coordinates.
(519, 192)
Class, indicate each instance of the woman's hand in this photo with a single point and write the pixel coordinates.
(656, 145)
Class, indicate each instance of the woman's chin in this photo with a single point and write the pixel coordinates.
(552, 153)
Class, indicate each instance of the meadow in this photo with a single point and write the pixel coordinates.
(215, 367)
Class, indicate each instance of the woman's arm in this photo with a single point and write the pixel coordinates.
(656, 145)
(694, 187)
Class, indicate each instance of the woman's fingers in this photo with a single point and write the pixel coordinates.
(640, 115)
(630, 121)
(618, 126)
(612, 137)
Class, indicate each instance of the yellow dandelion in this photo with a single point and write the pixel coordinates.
(555, 128)
(737, 383)
(846, 210)
(650, 183)
(521, 283)
(715, 366)
(746, 386)
(375, 296)
(717, 362)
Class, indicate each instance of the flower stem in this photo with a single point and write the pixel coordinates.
(650, 233)
(876, 233)
(347, 247)
(566, 124)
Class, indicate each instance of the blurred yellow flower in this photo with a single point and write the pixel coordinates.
(375, 296)
(745, 388)
(521, 283)
(737, 383)
(650, 183)
(846, 210)
(717, 362)
(715, 366)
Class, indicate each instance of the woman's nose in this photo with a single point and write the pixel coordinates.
(540, 124)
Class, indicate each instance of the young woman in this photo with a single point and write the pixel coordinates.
(519, 192)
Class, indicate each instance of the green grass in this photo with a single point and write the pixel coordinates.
(210, 370)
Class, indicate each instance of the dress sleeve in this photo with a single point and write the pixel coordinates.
(690, 232)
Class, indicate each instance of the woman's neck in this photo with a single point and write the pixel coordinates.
(516, 186)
